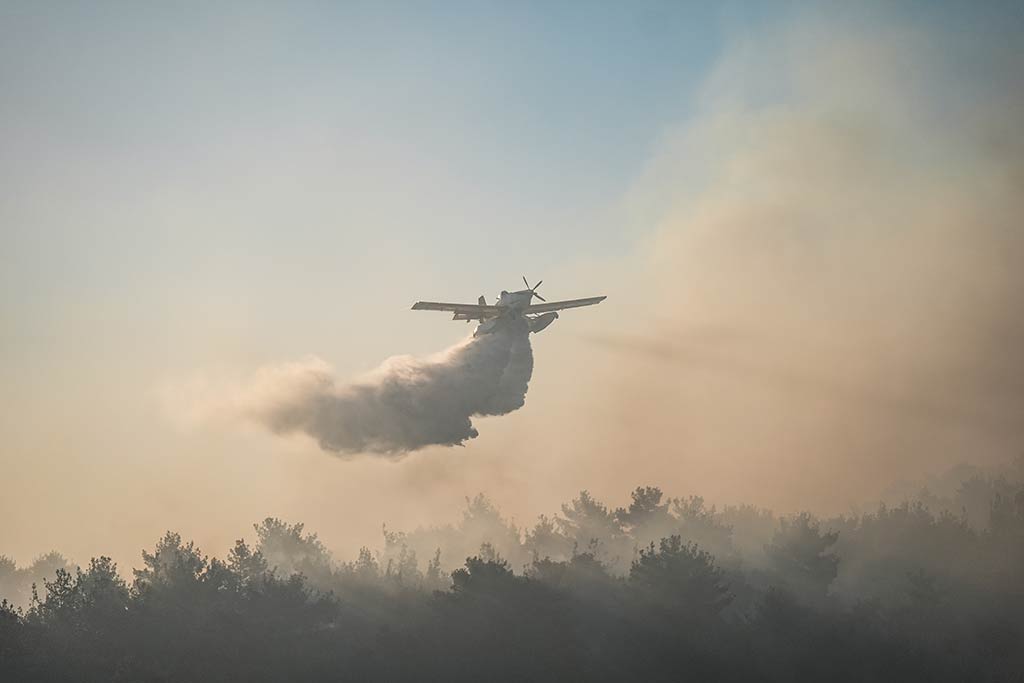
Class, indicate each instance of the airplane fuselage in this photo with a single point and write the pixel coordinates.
(515, 300)
(514, 305)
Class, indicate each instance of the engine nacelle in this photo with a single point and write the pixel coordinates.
(539, 322)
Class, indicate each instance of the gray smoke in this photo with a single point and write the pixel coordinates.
(406, 404)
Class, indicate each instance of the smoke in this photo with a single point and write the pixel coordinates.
(406, 404)
(857, 229)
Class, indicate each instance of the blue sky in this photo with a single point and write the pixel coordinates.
(259, 151)
(525, 110)
(314, 134)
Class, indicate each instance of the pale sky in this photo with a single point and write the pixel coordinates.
(199, 190)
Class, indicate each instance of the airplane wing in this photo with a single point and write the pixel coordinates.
(474, 310)
(559, 305)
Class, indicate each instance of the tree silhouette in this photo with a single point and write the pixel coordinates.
(799, 555)
(680, 578)
(900, 593)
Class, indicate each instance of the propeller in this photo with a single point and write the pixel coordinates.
(533, 290)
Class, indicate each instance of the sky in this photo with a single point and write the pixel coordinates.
(804, 217)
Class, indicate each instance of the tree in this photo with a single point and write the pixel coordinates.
(583, 576)
(546, 541)
(697, 523)
(401, 566)
(12, 582)
(171, 565)
(248, 565)
(680, 578)
(800, 558)
(102, 589)
(644, 509)
(592, 527)
(16, 584)
(483, 575)
(483, 523)
(287, 550)
(433, 579)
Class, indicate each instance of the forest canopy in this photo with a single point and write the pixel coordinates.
(664, 588)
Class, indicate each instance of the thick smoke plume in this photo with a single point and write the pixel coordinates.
(839, 264)
(404, 405)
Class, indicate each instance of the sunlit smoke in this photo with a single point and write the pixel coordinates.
(856, 235)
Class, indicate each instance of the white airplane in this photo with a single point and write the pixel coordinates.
(509, 306)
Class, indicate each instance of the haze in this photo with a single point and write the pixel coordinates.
(808, 224)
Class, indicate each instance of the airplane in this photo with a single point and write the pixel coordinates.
(509, 306)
